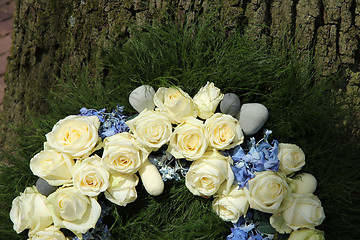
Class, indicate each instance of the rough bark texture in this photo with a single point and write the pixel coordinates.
(47, 34)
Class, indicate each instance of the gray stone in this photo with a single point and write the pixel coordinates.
(230, 104)
(252, 117)
(142, 97)
(44, 187)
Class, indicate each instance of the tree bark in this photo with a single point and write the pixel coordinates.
(48, 34)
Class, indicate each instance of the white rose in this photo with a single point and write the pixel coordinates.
(303, 211)
(75, 135)
(291, 158)
(90, 176)
(266, 191)
(49, 233)
(29, 211)
(122, 153)
(206, 174)
(176, 103)
(232, 206)
(53, 166)
(122, 188)
(307, 234)
(277, 221)
(73, 210)
(207, 100)
(189, 140)
(152, 129)
(224, 131)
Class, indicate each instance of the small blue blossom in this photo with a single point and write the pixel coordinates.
(245, 229)
(111, 123)
(169, 167)
(237, 234)
(262, 156)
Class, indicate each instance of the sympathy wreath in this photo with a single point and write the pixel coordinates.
(97, 154)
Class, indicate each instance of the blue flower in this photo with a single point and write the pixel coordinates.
(111, 123)
(237, 234)
(262, 156)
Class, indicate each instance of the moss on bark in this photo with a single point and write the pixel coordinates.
(51, 35)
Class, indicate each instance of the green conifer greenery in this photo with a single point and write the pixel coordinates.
(305, 109)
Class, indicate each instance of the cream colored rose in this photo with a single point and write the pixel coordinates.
(266, 191)
(307, 234)
(75, 135)
(53, 166)
(277, 221)
(122, 188)
(152, 129)
(29, 211)
(291, 158)
(90, 176)
(176, 103)
(224, 131)
(73, 210)
(232, 206)
(49, 233)
(189, 140)
(207, 100)
(123, 154)
(303, 211)
(207, 174)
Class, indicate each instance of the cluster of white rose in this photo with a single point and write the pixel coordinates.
(68, 162)
(289, 198)
(171, 117)
(172, 120)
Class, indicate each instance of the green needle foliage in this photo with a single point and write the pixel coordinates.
(305, 109)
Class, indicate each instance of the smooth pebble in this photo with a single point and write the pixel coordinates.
(230, 104)
(44, 187)
(151, 179)
(252, 117)
(142, 97)
(305, 183)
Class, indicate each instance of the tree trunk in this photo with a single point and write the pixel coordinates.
(48, 34)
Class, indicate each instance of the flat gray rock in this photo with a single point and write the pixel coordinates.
(142, 97)
(44, 187)
(230, 104)
(252, 117)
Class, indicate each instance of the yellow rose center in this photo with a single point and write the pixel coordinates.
(172, 97)
(71, 137)
(223, 133)
(224, 211)
(122, 161)
(207, 182)
(192, 141)
(91, 180)
(46, 165)
(154, 131)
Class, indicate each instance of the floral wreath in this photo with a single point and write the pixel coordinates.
(174, 136)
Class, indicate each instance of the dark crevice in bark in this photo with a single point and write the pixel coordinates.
(38, 54)
(244, 4)
(337, 40)
(133, 11)
(319, 22)
(268, 17)
(293, 20)
(352, 12)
